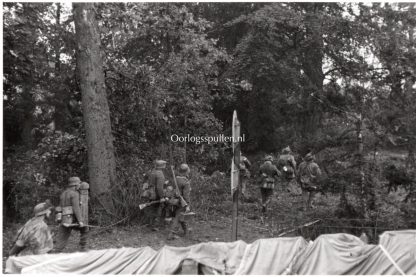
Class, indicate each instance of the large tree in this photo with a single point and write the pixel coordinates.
(101, 159)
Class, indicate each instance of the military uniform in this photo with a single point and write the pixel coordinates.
(287, 166)
(71, 214)
(245, 174)
(308, 175)
(155, 191)
(174, 203)
(268, 175)
(34, 237)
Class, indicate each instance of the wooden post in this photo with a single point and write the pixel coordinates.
(185, 142)
(235, 175)
(361, 165)
(83, 191)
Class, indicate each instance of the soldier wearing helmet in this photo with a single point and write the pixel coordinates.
(156, 182)
(178, 207)
(268, 176)
(70, 206)
(245, 174)
(308, 177)
(286, 164)
(34, 237)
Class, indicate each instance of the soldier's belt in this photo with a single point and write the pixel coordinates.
(67, 210)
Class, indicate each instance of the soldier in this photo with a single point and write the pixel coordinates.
(268, 174)
(155, 192)
(308, 175)
(71, 216)
(287, 165)
(34, 237)
(245, 174)
(175, 203)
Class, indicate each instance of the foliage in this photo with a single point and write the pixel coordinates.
(308, 75)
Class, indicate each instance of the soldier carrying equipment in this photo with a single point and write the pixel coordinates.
(156, 182)
(71, 209)
(178, 201)
(245, 174)
(268, 175)
(309, 173)
(287, 165)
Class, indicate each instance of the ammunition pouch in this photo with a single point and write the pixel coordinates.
(267, 185)
(58, 214)
(67, 215)
(288, 172)
(267, 181)
(67, 210)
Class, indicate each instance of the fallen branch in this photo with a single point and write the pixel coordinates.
(298, 227)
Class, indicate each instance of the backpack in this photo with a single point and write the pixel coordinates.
(306, 178)
(148, 191)
(287, 168)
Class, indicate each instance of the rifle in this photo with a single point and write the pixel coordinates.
(144, 205)
(178, 192)
(77, 225)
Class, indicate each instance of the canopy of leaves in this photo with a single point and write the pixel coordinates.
(308, 75)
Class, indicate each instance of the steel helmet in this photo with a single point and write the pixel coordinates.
(184, 169)
(74, 181)
(41, 209)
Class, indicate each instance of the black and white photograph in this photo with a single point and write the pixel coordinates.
(209, 138)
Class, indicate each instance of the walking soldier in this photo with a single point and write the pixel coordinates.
(179, 201)
(71, 216)
(245, 174)
(309, 173)
(286, 164)
(155, 192)
(268, 175)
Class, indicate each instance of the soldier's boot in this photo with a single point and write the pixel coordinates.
(184, 228)
(83, 239)
(156, 224)
(172, 235)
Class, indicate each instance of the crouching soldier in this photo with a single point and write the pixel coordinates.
(34, 237)
(71, 218)
(178, 203)
(268, 176)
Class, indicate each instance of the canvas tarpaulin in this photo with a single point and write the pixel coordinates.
(328, 254)
(270, 256)
(340, 254)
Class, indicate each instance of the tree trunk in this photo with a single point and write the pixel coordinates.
(312, 65)
(101, 159)
(360, 147)
(61, 113)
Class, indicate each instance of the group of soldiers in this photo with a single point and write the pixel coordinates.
(35, 237)
(286, 174)
(163, 200)
(167, 200)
